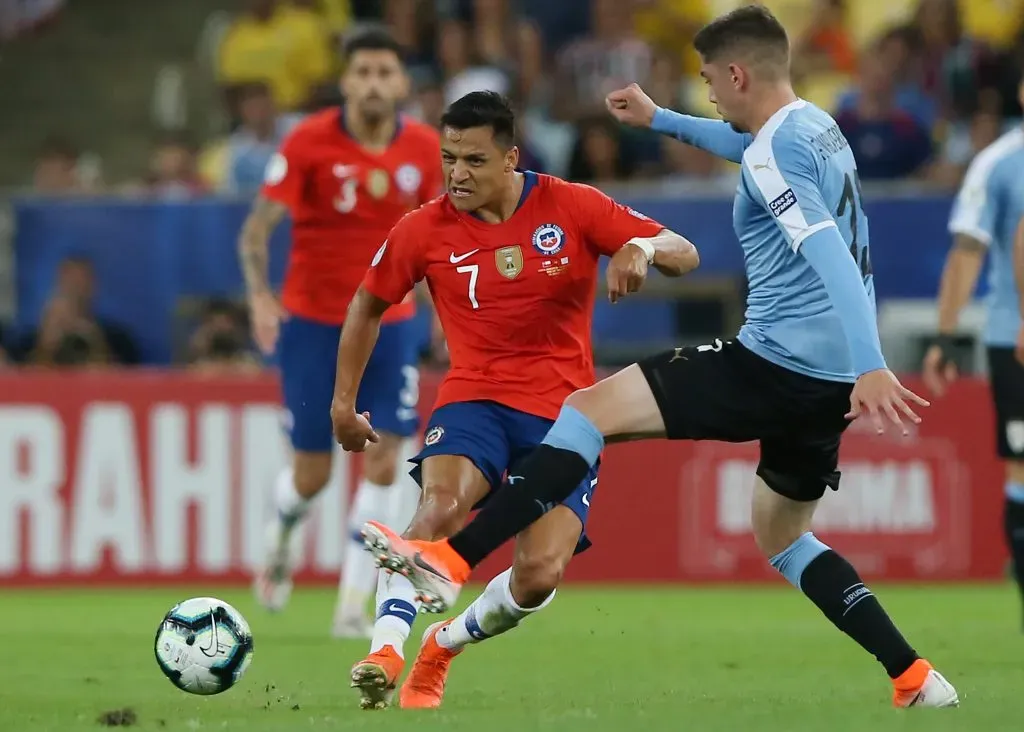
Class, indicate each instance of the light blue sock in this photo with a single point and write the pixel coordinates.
(573, 431)
(1015, 491)
(793, 560)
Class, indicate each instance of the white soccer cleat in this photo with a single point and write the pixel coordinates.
(272, 586)
(934, 691)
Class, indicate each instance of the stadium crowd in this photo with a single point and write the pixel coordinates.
(918, 87)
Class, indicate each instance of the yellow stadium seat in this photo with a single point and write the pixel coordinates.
(823, 90)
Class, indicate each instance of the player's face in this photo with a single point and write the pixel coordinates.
(476, 168)
(726, 83)
(374, 83)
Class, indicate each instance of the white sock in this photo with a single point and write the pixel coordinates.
(494, 612)
(291, 507)
(359, 571)
(396, 612)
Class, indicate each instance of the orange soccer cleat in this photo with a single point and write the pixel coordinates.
(923, 686)
(433, 567)
(376, 676)
(424, 686)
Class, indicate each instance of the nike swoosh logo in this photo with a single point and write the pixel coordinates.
(399, 609)
(513, 478)
(586, 500)
(418, 561)
(455, 260)
(211, 650)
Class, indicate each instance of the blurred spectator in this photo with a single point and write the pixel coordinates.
(610, 58)
(825, 46)
(460, 66)
(67, 337)
(282, 45)
(71, 310)
(560, 21)
(219, 343)
(18, 17)
(900, 49)
(428, 103)
(888, 142)
(599, 157)
(251, 146)
(57, 171)
(174, 170)
(669, 26)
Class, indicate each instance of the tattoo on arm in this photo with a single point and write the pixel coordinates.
(254, 240)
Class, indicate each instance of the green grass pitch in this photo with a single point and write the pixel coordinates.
(600, 660)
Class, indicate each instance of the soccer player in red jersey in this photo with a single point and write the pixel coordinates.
(345, 175)
(511, 259)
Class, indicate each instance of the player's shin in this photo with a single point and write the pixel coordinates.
(541, 481)
(1013, 522)
(359, 572)
(492, 613)
(396, 611)
(831, 583)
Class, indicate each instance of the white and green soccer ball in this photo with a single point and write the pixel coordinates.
(203, 645)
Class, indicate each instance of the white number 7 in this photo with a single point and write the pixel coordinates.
(474, 270)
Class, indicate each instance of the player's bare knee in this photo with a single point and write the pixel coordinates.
(535, 575)
(1015, 471)
(381, 464)
(311, 475)
(441, 513)
(777, 521)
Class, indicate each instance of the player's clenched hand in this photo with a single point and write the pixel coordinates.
(266, 314)
(631, 106)
(626, 272)
(352, 431)
(938, 370)
(1018, 350)
(883, 398)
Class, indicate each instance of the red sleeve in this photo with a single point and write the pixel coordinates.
(399, 263)
(284, 179)
(606, 224)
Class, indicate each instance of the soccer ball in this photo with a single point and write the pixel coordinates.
(203, 645)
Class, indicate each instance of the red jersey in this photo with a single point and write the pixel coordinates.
(343, 201)
(516, 298)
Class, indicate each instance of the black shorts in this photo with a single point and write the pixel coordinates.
(1006, 379)
(727, 393)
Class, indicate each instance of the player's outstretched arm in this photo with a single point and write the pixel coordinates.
(633, 107)
(674, 254)
(358, 337)
(666, 251)
(254, 255)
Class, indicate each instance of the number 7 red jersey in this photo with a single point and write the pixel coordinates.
(343, 200)
(516, 298)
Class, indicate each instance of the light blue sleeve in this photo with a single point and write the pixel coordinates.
(976, 208)
(715, 136)
(786, 175)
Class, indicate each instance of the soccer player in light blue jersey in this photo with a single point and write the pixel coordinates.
(805, 363)
(985, 219)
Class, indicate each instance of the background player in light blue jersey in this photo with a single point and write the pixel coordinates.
(985, 219)
(807, 360)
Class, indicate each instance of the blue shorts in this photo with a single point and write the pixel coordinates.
(495, 437)
(307, 354)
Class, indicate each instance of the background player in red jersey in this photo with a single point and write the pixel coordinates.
(345, 175)
(511, 259)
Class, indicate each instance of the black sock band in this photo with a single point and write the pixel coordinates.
(834, 586)
(540, 482)
(1013, 525)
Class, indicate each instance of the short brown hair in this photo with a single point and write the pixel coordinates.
(751, 29)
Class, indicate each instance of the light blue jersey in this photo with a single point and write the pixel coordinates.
(988, 208)
(798, 217)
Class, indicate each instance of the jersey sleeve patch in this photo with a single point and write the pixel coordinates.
(782, 203)
(380, 254)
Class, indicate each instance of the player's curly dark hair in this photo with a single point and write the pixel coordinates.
(749, 29)
(483, 109)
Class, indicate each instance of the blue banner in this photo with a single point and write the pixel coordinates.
(150, 255)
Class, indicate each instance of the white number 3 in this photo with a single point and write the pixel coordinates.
(474, 270)
(345, 202)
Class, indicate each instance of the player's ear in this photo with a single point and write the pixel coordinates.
(404, 85)
(512, 159)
